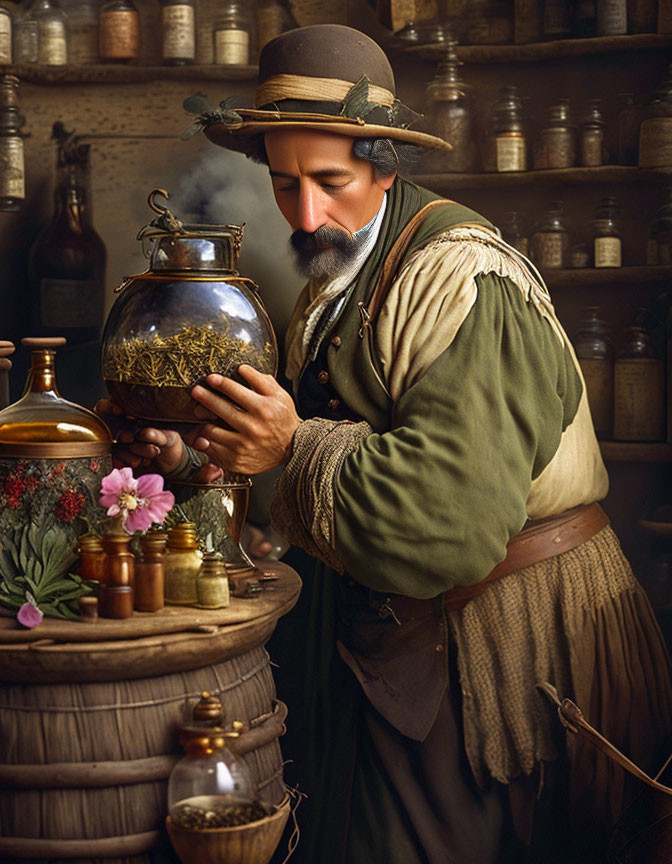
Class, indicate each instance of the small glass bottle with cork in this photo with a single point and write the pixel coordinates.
(12, 164)
(514, 232)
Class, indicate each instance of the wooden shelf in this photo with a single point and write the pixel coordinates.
(625, 451)
(606, 276)
(447, 182)
(536, 51)
(112, 74)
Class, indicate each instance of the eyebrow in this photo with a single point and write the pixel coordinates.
(323, 172)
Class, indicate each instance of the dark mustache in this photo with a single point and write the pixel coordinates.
(323, 238)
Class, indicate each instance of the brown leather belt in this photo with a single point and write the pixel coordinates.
(539, 540)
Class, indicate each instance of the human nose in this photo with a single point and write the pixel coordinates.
(311, 209)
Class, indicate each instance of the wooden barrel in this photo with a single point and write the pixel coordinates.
(89, 715)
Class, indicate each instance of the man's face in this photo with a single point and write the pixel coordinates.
(325, 193)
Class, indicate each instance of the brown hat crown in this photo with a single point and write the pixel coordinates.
(326, 51)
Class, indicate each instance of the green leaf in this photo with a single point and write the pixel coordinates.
(12, 600)
(198, 104)
(356, 102)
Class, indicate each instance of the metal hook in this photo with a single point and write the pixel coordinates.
(153, 205)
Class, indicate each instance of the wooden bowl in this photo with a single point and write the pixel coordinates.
(253, 843)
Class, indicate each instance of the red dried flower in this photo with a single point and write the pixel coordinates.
(94, 465)
(15, 486)
(70, 505)
(58, 468)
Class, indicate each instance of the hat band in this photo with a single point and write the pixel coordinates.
(298, 87)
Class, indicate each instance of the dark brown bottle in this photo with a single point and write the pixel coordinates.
(66, 266)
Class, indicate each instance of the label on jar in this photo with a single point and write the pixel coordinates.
(639, 399)
(655, 142)
(612, 17)
(511, 152)
(5, 37)
(53, 46)
(549, 249)
(119, 35)
(599, 378)
(179, 32)
(70, 303)
(12, 170)
(232, 47)
(591, 147)
(607, 251)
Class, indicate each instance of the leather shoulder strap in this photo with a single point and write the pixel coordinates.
(398, 251)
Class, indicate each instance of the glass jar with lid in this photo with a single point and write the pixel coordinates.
(53, 454)
(233, 33)
(606, 234)
(52, 38)
(507, 139)
(592, 135)
(556, 147)
(178, 32)
(639, 389)
(514, 231)
(550, 241)
(655, 131)
(82, 31)
(118, 31)
(25, 39)
(6, 26)
(659, 244)
(449, 114)
(594, 351)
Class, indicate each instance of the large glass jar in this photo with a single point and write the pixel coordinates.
(53, 455)
(655, 132)
(639, 389)
(596, 358)
(52, 37)
(449, 113)
(189, 315)
(556, 147)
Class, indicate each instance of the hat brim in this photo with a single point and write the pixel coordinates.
(239, 136)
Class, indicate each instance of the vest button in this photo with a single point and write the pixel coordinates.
(336, 341)
(323, 376)
(334, 403)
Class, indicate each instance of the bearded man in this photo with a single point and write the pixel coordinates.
(440, 465)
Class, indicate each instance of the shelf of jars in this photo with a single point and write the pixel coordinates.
(626, 451)
(564, 278)
(535, 51)
(115, 74)
(446, 182)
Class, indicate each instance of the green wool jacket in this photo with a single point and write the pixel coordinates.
(431, 498)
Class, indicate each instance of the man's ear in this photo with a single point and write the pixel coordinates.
(385, 182)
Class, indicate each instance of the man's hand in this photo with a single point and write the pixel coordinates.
(137, 446)
(260, 422)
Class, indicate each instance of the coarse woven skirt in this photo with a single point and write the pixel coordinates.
(579, 621)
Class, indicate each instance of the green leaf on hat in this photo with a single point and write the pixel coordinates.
(356, 102)
(208, 114)
(402, 116)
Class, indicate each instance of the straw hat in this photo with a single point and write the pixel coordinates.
(325, 77)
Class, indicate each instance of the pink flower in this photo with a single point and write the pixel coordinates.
(140, 502)
(29, 615)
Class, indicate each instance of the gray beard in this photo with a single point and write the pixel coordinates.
(326, 252)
